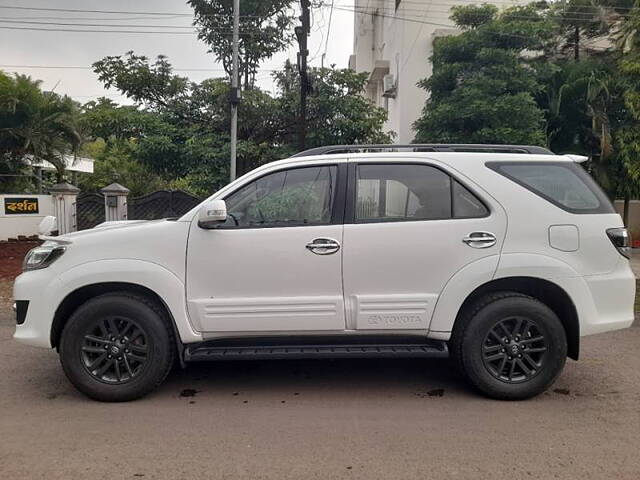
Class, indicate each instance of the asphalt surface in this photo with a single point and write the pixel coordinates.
(387, 419)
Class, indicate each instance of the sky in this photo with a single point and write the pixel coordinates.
(185, 51)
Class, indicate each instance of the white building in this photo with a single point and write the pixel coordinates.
(72, 164)
(393, 41)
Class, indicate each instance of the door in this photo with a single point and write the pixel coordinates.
(409, 228)
(276, 263)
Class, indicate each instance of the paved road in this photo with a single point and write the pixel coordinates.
(323, 419)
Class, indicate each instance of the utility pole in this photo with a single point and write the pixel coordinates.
(234, 97)
(302, 32)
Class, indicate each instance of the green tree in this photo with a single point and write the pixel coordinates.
(484, 75)
(42, 125)
(583, 101)
(184, 126)
(627, 138)
(103, 118)
(141, 80)
(265, 29)
(115, 161)
(337, 112)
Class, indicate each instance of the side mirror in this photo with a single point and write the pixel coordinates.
(47, 225)
(212, 213)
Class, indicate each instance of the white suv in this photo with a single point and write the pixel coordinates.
(500, 260)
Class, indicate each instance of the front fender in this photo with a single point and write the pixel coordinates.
(139, 272)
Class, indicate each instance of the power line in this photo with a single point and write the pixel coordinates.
(119, 19)
(357, 10)
(493, 2)
(108, 95)
(415, 40)
(190, 27)
(257, 29)
(93, 31)
(449, 25)
(78, 67)
(78, 30)
(570, 15)
(93, 24)
(326, 43)
(404, 2)
(318, 28)
(119, 12)
(575, 10)
(77, 10)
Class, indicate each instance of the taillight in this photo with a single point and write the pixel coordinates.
(621, 239)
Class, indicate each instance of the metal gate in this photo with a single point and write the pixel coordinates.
(89, 210)
(161, 204)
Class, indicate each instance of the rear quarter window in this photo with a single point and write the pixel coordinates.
(564, 184)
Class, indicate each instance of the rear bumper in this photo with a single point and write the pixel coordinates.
(613, 297)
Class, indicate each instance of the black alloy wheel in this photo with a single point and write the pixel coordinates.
(514, 350)
(115, 350)
(509, 345)
(117, 346)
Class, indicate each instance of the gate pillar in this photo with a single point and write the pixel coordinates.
(115, 202)
(64, 206)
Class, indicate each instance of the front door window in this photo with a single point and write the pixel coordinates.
(294, 197)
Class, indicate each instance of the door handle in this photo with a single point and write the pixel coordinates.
(480, 239)
(323, 246)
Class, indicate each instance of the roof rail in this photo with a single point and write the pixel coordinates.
(425, 147)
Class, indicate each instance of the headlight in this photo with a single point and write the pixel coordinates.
(42, 256)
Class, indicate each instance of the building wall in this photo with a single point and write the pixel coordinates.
(400, 42)
(12, 225)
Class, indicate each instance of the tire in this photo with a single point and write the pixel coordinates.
(510, 346)
(117, 347)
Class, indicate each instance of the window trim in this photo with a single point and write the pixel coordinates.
(338, 207)
(605, 207)
(350, 211)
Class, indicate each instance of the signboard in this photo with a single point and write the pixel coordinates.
(20, 206)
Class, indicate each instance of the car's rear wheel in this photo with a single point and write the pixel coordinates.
(509, 345)
(117, 347)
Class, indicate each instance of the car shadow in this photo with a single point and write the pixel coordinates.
(428, 377)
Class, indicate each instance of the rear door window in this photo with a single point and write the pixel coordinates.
(465, 203)
(565, 184)
(409, 192)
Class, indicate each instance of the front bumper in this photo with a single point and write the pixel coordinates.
(37, 289)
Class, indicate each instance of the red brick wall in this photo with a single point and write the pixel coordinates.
(11, 256)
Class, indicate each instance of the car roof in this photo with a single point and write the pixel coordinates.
(425, 147)
(444, 157)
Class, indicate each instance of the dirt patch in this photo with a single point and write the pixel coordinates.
(11, 256)
(6, 295)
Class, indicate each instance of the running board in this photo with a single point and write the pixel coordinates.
(432, 349)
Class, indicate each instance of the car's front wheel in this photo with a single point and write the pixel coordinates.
(509, 345)
(117, 347)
